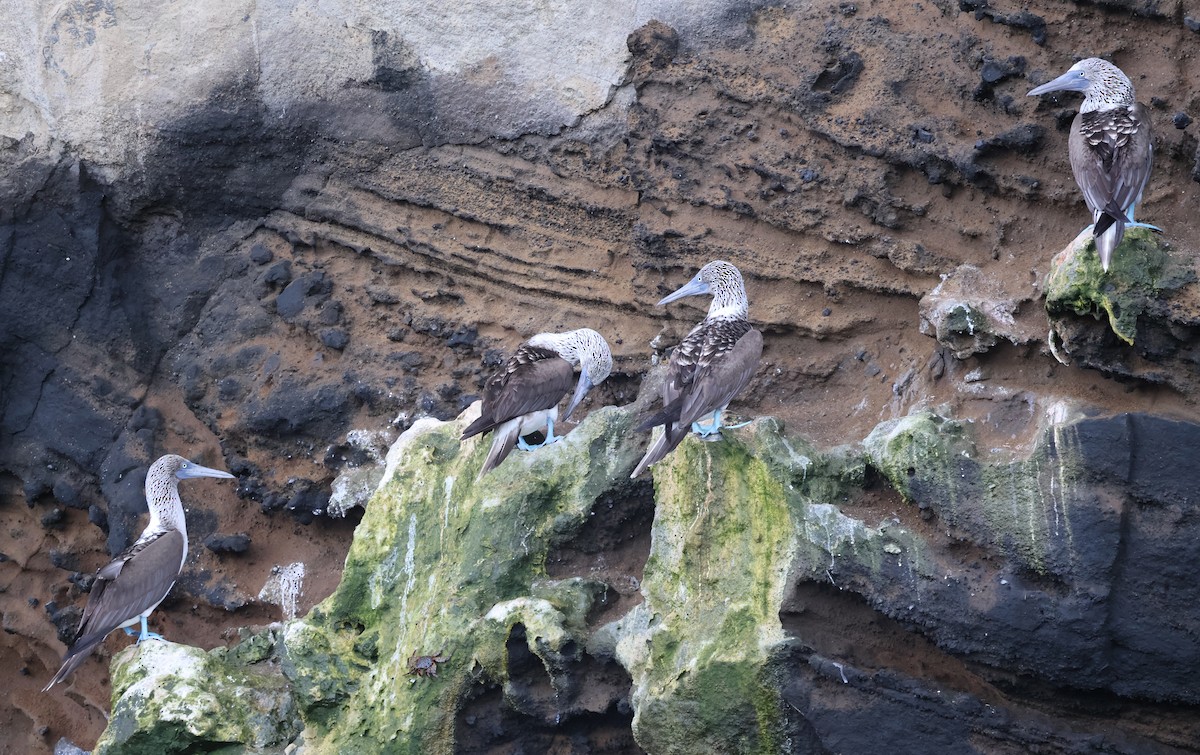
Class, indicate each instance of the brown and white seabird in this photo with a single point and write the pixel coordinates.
(522, 396)
(1110, 146)
(135, 582)
(710, 366)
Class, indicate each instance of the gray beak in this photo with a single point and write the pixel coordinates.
(581, 388)
(694, 287)
(1071, 81)
(195, 470)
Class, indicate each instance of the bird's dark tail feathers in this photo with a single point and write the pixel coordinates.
(76, 655)
(482, 424)
(504, 439)
(668, 415)
(672, 435)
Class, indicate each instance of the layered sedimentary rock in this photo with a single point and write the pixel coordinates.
(288, 232)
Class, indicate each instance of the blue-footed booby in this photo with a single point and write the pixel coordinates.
(1110, 146)
(710, 366)
(522, 396)
(135, 582)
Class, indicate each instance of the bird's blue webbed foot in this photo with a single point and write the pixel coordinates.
(1154, 228)
(709, 427)
(146, 634)
(129, 631)
(550, 438)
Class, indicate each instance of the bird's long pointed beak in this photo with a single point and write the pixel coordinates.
(581, 388)
(694, 287)
(195, 470)
(1071, 81)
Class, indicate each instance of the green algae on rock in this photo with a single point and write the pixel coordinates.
(443, 563)
(746, 529)
(1018, 504)
(1144, 270)
(737, 523)
(176, 698)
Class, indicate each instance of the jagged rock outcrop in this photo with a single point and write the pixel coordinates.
(1138, 319)
(251, 230)
(1018, 595)
(969, 314)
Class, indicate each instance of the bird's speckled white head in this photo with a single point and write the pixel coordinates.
(162, 490)
(724, 281)
(1104, 86)
(584, 347)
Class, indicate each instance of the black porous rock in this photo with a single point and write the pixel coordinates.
(122, 484)
(653, 46)
(309, 499)
(995, 72)
(82, 581)
(408, 361)
(55, 518)
(335, 338)
(297, 407)
(202, 585)
(1025, 139)
(64, 559)
(464, 335)
(65, 619)
(841, 76)
(229, 390)
(307, 290)
(1022, 19)
(260, 254)
(236, 543)
(67, 494)
(98, 517)
(331, 313)
(278, 275)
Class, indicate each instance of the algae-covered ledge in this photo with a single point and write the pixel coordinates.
(446, 566)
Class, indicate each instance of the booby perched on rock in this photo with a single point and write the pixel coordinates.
(135, 582)
(1110, 146)
(522, 396)
(710, 366)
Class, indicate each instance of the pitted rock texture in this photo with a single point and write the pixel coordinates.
(244, 232)
(976, 601)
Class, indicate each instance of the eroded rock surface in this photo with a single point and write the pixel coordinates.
(243, 232)
(1012, 601)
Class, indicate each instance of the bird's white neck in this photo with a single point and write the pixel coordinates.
(728, 312)
(166, 509)
(1115, 91)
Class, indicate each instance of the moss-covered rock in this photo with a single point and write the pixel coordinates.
(1013, 563)
(736, 523)
(1143, 270)
(175, 698)
(1013, 503)
(444, 563)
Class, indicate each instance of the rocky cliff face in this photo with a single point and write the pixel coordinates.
(245, 231)
(910, 591)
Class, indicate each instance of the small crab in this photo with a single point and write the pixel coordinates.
(425, 665)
